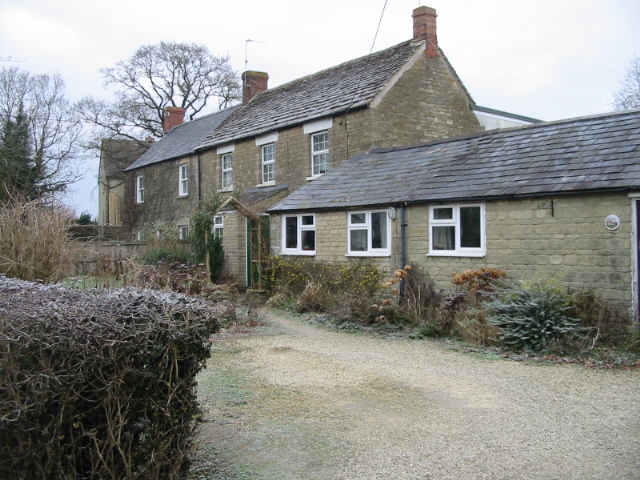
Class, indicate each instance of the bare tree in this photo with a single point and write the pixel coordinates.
(157, 76)
(628, 96)
(38, 134)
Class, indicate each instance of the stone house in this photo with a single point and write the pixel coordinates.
(163, 185)
(115, 156)
(288, 137)
(285, 138)
(559, 198)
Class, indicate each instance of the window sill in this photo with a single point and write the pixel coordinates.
(225, 189)
(368, 254)
(313, 177)
(267, 184)
(183, 196)
(457, 254)
(309, 253)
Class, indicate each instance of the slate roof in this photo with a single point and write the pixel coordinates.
(182, 140)
(571, 156)
(346, 86)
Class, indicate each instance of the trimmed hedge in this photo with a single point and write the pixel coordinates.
(98, 384)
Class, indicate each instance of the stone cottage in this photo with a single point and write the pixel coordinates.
(559, 198)
(288, 137)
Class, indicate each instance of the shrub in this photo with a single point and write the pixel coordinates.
(172, 254)
(98, 385)
(216, 259)
(463, 313)
(176, 277)
(532, 316)
(34, 240)
(342, 289)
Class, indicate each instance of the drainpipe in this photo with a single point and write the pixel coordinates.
(403, 246)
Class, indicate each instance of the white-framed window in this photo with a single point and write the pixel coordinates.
(227, 171)
(183, 179)
(369, 233)
(269, 163)
(299, 234)
(457, 230)
(140, 189)
(183, 232)
(218, 226)
(319, 153)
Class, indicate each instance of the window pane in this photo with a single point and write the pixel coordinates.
(227, 179)
(268, 153)
(307, 219)
(291, 232)
(320, 163)
(358, 218)
(444, 238)
(443, 213)
(320, 142)
(358, 241)
(470, 227)
(379, 230)
(268, 173)
(227, 162)
(308, 239)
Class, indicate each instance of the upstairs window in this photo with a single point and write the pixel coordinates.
(319, 153)
(139, 189)
(299, 234)
(369, 233)
(269, 163)
(183, 232)
(227, 171)
(218, 226)
(457, 230)
(183, 180)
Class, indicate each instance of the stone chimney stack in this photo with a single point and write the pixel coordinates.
(173, 116)
(252, 84)
(424, 28)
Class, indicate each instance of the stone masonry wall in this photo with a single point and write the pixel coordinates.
(524, 240)
(527, 242)
(293, 155)
(162, 204)
(426, 103)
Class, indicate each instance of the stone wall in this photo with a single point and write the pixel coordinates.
(523, 239)
(162, 204)
(426, 103)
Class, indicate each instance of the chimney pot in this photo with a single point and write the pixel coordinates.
(173, 116)
(424, 29)
(252, 84)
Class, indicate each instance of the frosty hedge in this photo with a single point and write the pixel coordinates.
(98, 385)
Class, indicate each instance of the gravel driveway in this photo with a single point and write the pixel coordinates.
(291, 400)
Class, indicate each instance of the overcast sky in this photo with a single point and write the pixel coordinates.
(548, 59)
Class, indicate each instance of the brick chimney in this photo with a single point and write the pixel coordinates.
(173, 116)
(424, 28)
(252, 84)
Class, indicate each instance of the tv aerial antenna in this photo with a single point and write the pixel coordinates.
(246, 45)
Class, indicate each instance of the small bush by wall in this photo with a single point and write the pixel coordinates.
(98, 385)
